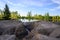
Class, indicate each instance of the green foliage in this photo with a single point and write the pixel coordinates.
(38, 17)
(29, 15)
(6, 13)
(14, 15)
(23, 17)
(58, 18)
(47, 17)
(1, 14)
(55, 19)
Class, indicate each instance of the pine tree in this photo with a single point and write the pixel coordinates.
(6, 13)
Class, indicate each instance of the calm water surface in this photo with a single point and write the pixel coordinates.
(26, 20)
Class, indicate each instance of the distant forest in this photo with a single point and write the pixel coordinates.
(7, 15)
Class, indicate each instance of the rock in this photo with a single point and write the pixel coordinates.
(29, 25)
(40, 31)
(58, 23)
(29, 36)
(45, 24)
(44, 28)
(43, 37)
(9, 31)
(7, 37)
(21, 32)
(1, 30)
(9, 26)
(55, 33)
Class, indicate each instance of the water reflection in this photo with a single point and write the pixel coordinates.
(26, 20)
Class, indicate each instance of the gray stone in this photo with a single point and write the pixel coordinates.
(20, 32)
(44, 27)
(29, 25)
(29, 36)
(43, 37)
(13, 27)
(9, 26)
(7, 37)
(44, 24)
(55, 33)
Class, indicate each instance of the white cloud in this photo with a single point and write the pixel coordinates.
(57, 2)
(25, 3)
(39, 3)
(21, 12)
(14, 4)
(32, 3)
(1, 4)
(56, 8)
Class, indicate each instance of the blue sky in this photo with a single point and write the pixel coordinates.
(35, 6)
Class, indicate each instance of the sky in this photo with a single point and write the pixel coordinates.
(35, 6)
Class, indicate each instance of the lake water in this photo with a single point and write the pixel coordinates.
(26, 20)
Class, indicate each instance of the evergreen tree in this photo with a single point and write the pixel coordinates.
(6, 13)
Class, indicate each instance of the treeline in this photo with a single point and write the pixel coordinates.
(45, 17)
(7, 15)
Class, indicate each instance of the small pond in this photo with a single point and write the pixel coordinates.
(26, 20)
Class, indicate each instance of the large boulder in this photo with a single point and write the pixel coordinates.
(45, 24)
(38, 36)
(29, 25)
(7, 37)
(58, 23)
(29, 36)
(21, 32)
(55, 33)
(43, 27)
(9, 26)
(13, 27)
(43, 37)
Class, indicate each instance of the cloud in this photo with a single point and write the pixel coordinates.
(39, 3)
(57, 2)
(21, 12)
(32, 3)
(1, 5)
(25, 3)
(56, 8)
(14, 4)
